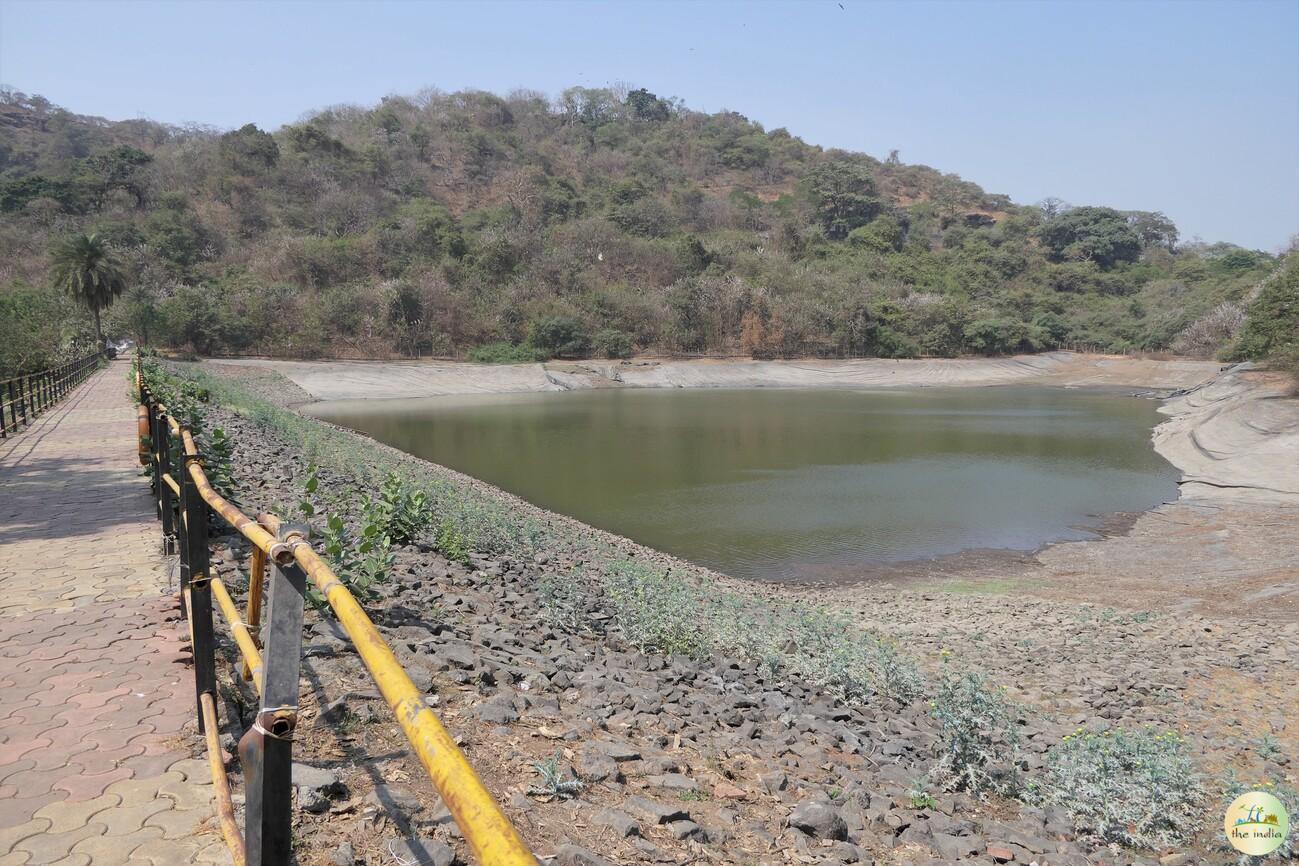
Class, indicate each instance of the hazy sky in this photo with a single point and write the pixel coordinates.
(1187, 107)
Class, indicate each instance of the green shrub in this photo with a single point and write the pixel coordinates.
(563, 602)
(451, 542)
(1271, 329)
(217, 451)
(1000, 336)
(610, 343)
(1134, 788)
(978, 736)
(504, 353)
(559, 337)
(403, 514)
(655, 611)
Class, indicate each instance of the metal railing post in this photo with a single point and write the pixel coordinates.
(22, 396)
(162, 446)
(266, 751)
(151, 408)
(195, 574)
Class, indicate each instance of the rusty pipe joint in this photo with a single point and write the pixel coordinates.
(277, 722)
(289, 536)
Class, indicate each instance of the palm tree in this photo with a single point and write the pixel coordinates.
(85, 267)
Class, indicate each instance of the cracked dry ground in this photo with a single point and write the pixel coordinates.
(711, 761)
(95, 686)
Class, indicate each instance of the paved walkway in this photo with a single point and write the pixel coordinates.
(95, 685)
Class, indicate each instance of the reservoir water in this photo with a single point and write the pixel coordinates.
(781, 484)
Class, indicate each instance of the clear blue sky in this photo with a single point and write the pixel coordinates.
(1187, 107)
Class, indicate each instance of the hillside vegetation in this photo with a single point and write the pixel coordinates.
(603, 222)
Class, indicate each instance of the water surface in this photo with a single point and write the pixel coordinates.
(780, 484)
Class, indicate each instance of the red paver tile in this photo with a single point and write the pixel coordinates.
(93, 651)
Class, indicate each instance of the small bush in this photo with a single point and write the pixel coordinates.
(552, 781)
(612, 344)
(451, 543)
(559, 337)
(401, 513)
(978, 736)
(831, 652)
(217, 451)
(1271, 328)
(360, 561)
(504, 353)
(1135, 788)
(657, 612)
(563, 602)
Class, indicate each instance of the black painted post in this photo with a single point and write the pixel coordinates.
(166, 500)
(266, 751)
(22, 397)
(156, 480)
(195, 573)
(13, 405)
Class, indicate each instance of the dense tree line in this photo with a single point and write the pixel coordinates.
(604, 222)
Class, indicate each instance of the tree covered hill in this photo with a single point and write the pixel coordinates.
(600, 222)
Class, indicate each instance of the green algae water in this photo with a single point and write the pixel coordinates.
(783, 484)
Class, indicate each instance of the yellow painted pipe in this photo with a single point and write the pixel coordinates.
(225, 807)
(256, 586)
(227, 511)
(142, 433)
(489, 833)
(251, 657)
(171, 482)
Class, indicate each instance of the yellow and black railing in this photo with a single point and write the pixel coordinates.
(283, 560)
(23, 398)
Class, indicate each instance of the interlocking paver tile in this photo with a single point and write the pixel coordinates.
(67, 815)
(11, 837)
(82, 785)
(177, 824)
(18, 810)
(50, 847)
(125, 820)
(136, 791)
(104, 848)
(94, 653)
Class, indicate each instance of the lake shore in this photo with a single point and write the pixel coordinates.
(377, 380)
(1184, 620)
(1233, 433)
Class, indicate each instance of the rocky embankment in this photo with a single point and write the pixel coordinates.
(369, 380)
(717, 760)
